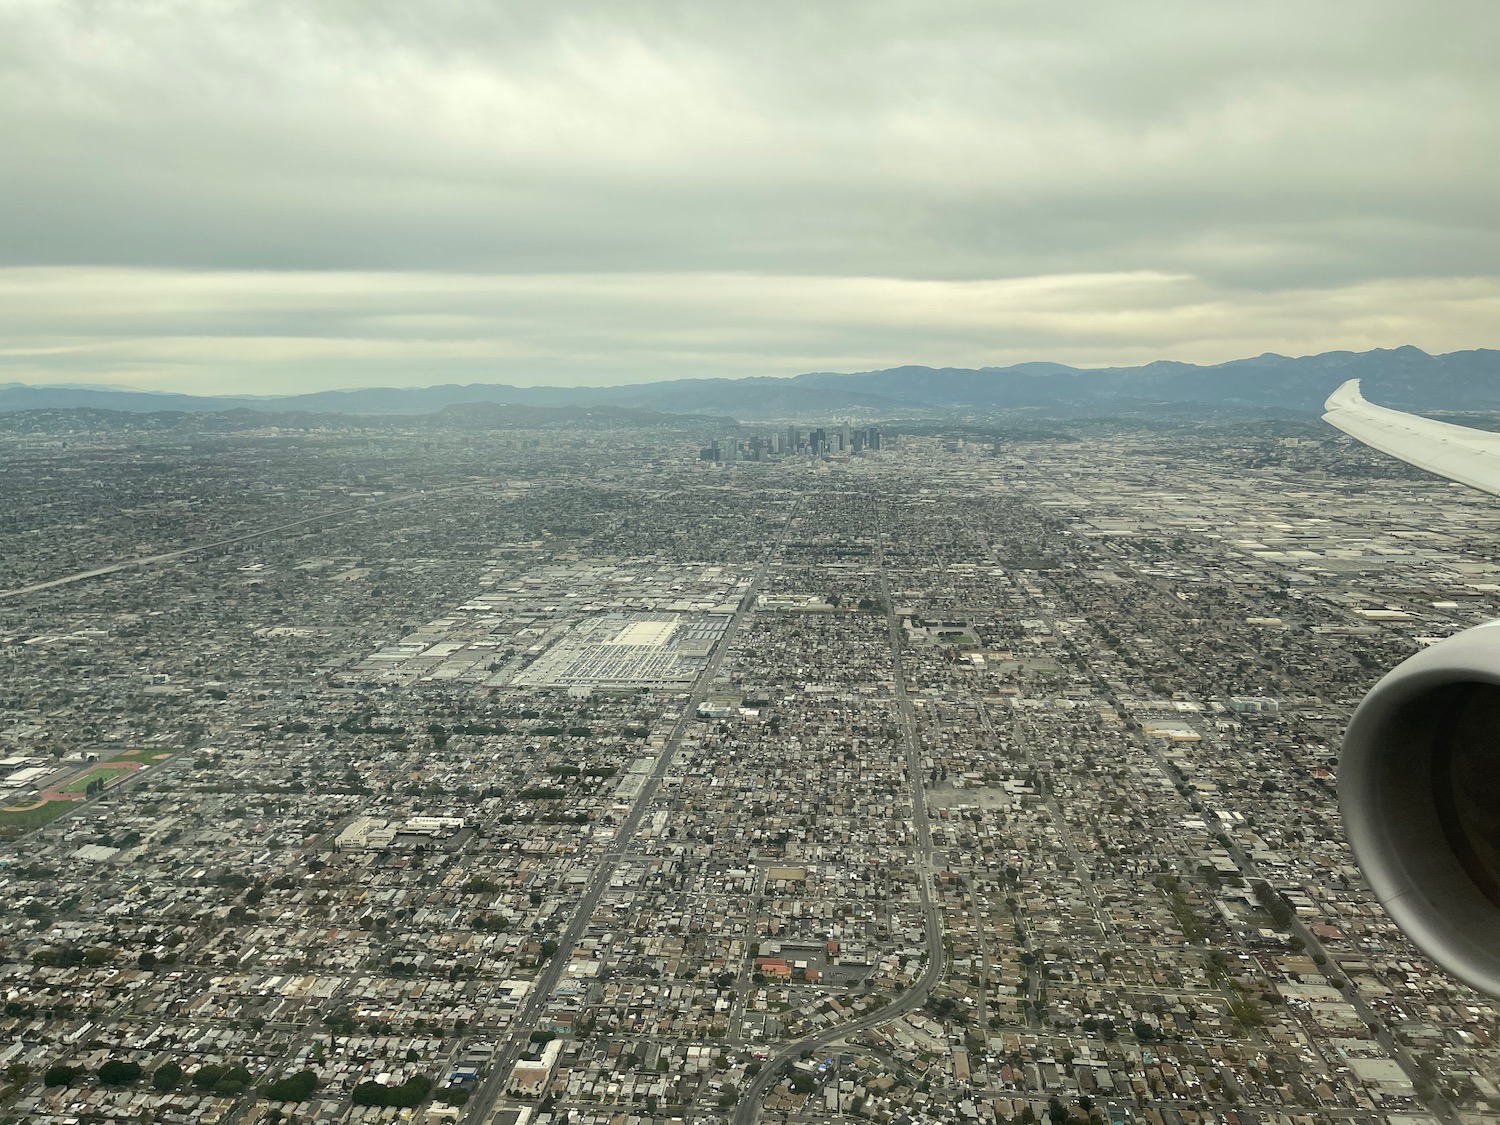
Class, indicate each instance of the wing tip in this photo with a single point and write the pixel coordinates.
(1345, 396)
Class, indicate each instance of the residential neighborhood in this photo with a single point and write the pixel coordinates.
(573, 777)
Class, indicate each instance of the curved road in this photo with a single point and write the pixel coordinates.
(913, 997)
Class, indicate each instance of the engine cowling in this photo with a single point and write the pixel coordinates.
(1419, 790)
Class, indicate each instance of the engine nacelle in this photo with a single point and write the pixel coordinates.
(1419, 789)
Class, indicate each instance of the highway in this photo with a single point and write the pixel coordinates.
(197, 548)
(915, 996)
(489, 1092)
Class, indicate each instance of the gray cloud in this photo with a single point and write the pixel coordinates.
(274, 332)
(598, 192)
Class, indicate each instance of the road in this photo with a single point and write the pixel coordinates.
(169, 556)
(749, 1105)
(1299, 929)
(1023, 740)
(1439, 1105)
(500, 1067)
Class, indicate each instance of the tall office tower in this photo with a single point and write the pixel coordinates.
(845, 444)
(791, 439)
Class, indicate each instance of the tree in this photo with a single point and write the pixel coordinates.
(232, 1082)
(410, 1093)
(1274, 904)
(369, 1093)
(1247, 1012)
(294, 1088)
(61, 1074)
(119, 1072)
(167, 1077)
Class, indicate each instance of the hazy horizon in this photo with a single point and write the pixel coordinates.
(277, 198)
(664, 379)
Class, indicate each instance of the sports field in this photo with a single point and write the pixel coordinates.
(107, 772)
(33, 815)
(58, 799)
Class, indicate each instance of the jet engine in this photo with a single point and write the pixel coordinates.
(1419, 790)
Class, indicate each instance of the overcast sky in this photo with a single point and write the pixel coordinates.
(274, 197)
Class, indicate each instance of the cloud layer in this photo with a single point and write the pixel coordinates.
(224, 196)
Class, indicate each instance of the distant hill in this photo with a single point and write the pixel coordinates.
(1404, 377)
(505, 415)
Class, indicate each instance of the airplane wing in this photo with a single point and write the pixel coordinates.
(1469, 456)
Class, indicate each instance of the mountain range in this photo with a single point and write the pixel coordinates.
(1404, 377)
